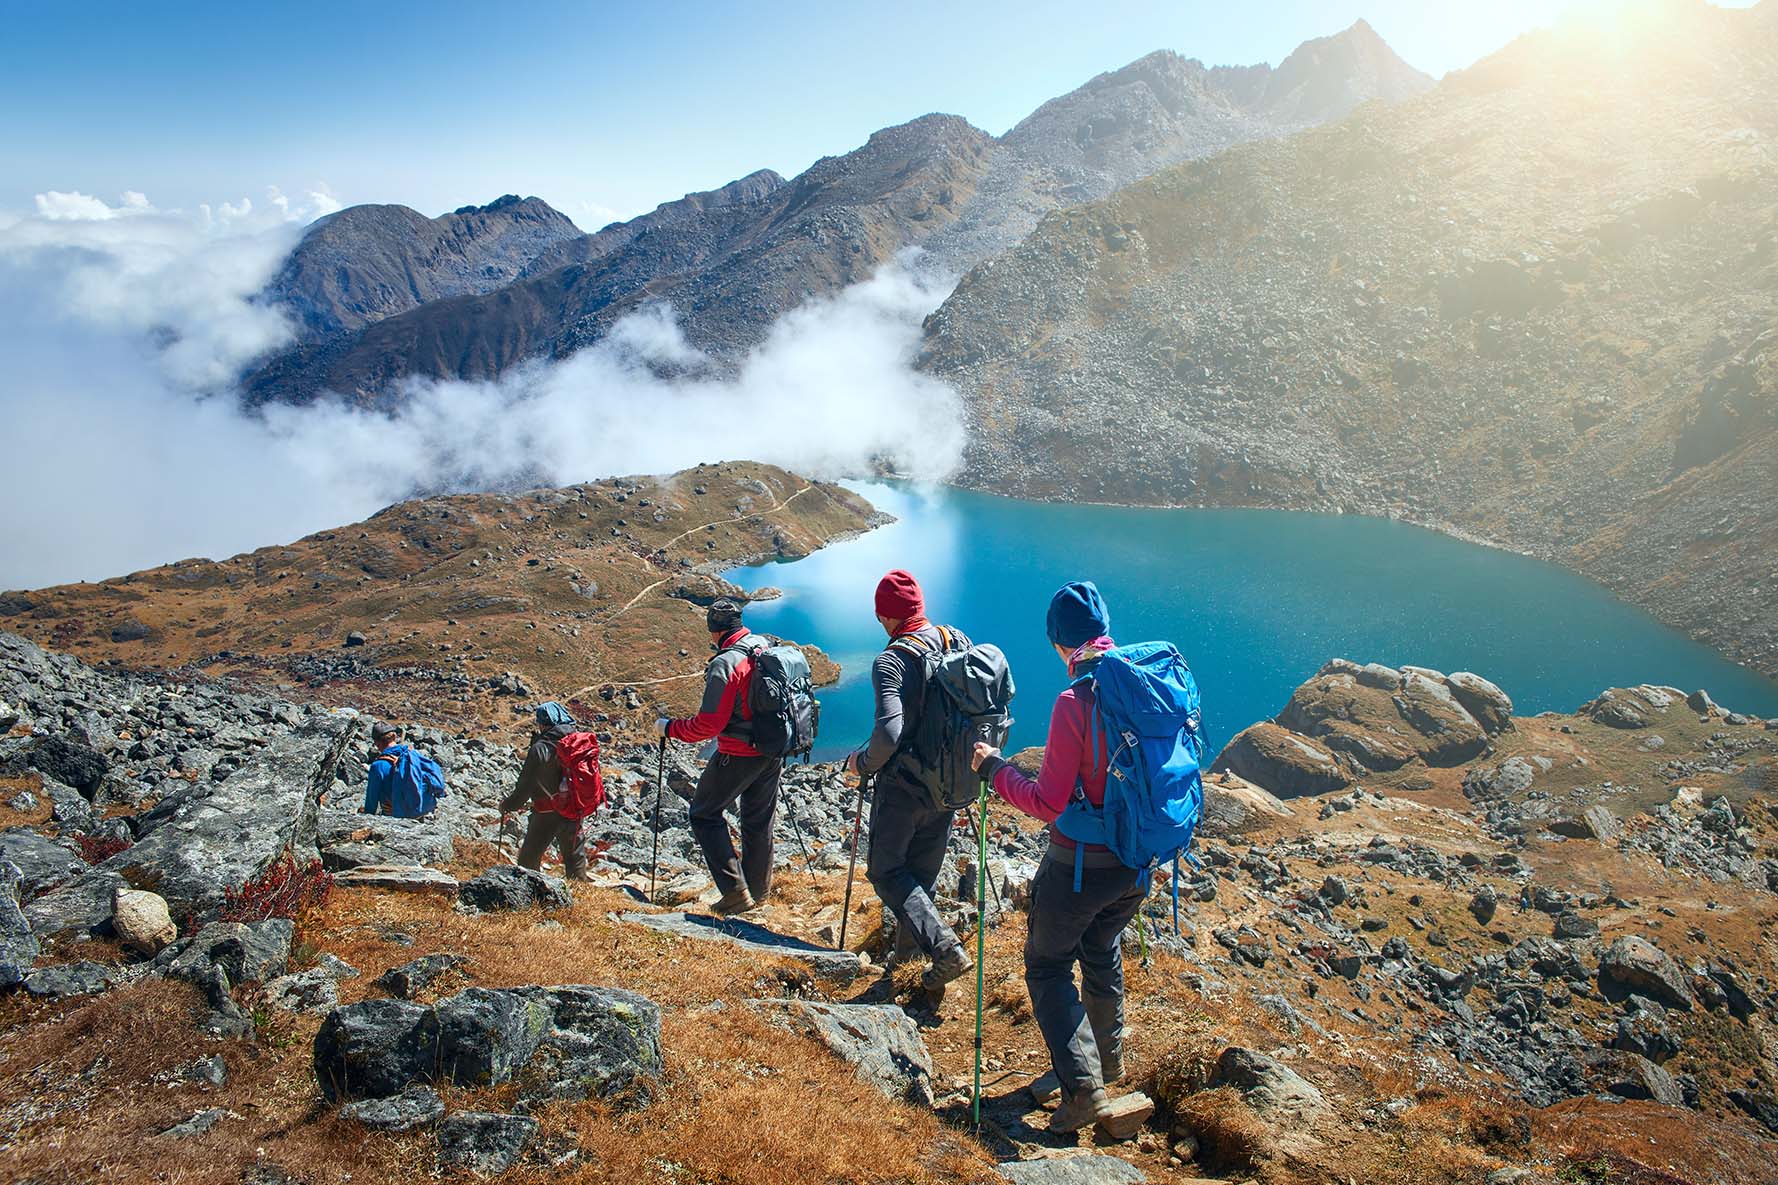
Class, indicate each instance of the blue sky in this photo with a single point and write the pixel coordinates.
(602, 109)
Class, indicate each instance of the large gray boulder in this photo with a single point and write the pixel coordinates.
(1632, 1076)
(1234, 806)
(486, 1036)
(18, 943)
(1596, 822)
(42, 863)
(567, 1042)
(350, 840)
(880, 1040)
(1636, 965)
(218, 837)
(1486, 702)
(1450, 734)
(375, 1048)
(842, 966)
(1276, 1092)
(1630, 707)
(65, 759)
(1072, 1170)
(600, 1043)
(246, 952)
(1285, 763)
(509, 887)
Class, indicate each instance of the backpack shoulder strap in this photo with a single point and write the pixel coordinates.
(391, 758)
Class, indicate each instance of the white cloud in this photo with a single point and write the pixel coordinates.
(127, 447)
(79, 207)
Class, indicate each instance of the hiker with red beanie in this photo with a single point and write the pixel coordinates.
(737, 773)
(1082, 896)
(908, 831)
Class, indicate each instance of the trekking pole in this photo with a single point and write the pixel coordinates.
(660, 782)
(981, 954)
(999, 901)
(852, 865)
(808, 860)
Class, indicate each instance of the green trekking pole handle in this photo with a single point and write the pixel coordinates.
(981, 948)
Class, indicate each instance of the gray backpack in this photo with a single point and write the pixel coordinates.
(967, 690)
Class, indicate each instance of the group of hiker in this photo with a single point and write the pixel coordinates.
(1118, 787)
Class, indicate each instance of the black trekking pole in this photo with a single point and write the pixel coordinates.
(808, 860)
(852, 865)
(660, 782)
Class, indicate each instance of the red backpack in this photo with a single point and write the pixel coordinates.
(583, 789)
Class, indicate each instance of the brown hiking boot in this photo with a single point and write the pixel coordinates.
(1089, 1106)
(731, 903)
(951, 964)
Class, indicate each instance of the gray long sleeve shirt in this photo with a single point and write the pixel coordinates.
(898, 683)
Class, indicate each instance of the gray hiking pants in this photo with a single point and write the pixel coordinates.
(753, 783)
(1065, 928)
(544, 828)
(908, 836)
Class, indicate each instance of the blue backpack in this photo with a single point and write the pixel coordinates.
(417, 784)
(1145, 699)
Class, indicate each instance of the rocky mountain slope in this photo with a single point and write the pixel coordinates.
(733, 260)
(369, 262)
(1520, 950)
(1534, 305)
(452, 606)
(1157, 111)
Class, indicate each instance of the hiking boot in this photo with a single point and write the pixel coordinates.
(1076, 1112)
(951, 964)
(906, 950)
(735, 901)
(1111, 1067)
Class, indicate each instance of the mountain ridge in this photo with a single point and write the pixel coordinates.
(734, 259)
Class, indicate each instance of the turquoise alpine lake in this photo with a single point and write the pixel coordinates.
(1257, 600)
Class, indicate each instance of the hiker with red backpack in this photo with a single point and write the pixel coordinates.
(401, 780)
(561, 783)
(918, 756)
(759, 705)
(1120, 788)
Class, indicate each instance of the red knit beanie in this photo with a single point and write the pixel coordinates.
(899, 597)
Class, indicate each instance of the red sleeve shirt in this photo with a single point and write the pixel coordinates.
(1067, 759)
(726, 682)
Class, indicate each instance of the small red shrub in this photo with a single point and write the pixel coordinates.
(96, 849)
(285, 890)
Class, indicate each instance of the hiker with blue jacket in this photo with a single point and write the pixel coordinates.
(1084, 894)
(401, 781)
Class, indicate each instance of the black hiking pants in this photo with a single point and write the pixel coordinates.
(908, 837)
(752, 782)
(544, 828)
(1068, 927)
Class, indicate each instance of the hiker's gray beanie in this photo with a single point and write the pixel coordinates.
(722, 616)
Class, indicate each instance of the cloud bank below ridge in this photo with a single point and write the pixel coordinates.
(124, 327)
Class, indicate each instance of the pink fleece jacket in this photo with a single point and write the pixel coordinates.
(1067, 758)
